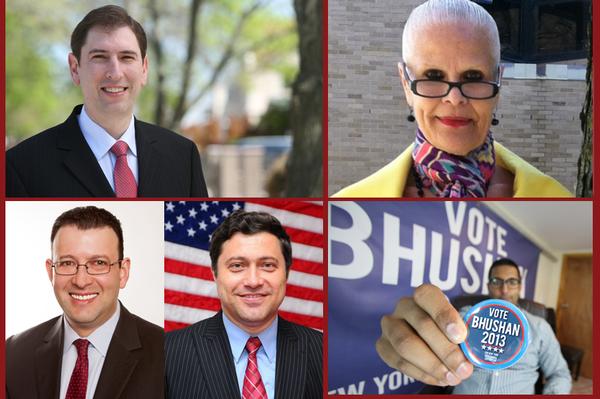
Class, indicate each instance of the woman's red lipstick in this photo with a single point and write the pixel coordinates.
(454, 121)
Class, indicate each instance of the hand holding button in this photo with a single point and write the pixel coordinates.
(420, 338)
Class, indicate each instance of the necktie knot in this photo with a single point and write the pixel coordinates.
(119, 148)
(253, 344)
(82, 346)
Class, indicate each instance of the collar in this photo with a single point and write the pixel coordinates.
(100, 338)
(238, 338)
(99, 140)
(389, 181)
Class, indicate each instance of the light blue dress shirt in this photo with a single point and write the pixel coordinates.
(265, 356)
(100, 141)
(97, 350)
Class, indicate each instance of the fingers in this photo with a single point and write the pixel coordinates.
(433, 301)
(440, 347)
(420, 339)
(403, 349)
(391, 358)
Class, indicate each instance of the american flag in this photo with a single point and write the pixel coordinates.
(190, 291)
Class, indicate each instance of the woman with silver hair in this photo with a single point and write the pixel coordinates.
(451, 76)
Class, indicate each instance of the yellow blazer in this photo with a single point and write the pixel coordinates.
(390, 180)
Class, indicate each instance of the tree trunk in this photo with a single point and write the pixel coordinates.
(584, 186)
(305, 166)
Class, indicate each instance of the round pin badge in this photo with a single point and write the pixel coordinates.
(498, 334)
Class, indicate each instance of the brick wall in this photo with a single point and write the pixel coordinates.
(539, 119)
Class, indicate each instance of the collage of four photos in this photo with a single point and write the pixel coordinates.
(277, 199)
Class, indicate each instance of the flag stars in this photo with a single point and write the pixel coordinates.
(214, 219)
(180, 219)
(202, 225)
(170, 207)
(191, 232)
(225, 213)
(192, 213)
(236, 206)
(204, 207)
(168, 226)
(182, 202)
(215, 202)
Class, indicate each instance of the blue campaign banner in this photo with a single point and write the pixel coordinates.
(381, 251)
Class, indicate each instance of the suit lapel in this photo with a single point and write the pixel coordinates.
(213, 347)
(290, 369)
(119, 364)
(48, 361)
(79, 159)
(147, 159)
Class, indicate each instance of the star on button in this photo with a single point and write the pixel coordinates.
(501, 350)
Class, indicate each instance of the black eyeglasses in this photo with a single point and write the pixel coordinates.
(93, 267)
(480, 90)
(511, 282)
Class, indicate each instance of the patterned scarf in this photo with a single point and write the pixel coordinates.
(454, 176)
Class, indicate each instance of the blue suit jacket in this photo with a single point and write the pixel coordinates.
(199, 362)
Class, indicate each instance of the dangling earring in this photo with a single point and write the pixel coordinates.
(495, 121)
(410, 117)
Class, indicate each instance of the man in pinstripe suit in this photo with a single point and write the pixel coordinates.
(214, 359)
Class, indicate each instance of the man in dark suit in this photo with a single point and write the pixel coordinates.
(97, 348)
(101, 150)
(246, 350)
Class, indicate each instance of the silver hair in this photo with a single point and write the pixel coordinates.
(440, 12)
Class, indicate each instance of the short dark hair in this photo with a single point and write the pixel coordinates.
(86, 218)
(504, 262)
(249, 223)
(107, 17)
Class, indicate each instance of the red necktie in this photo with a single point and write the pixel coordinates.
(78, 383)
(125, 185)
(253, 385)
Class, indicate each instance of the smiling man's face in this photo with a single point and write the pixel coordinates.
(88, 301)
(251, 277)
(110, 71)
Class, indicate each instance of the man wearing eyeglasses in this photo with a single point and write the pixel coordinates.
(96, 348)
(421, 340)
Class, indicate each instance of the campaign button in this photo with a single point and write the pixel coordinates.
(498, 334)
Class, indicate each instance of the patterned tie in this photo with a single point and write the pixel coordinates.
(78, 383)
(253, 385)
(125, 185)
